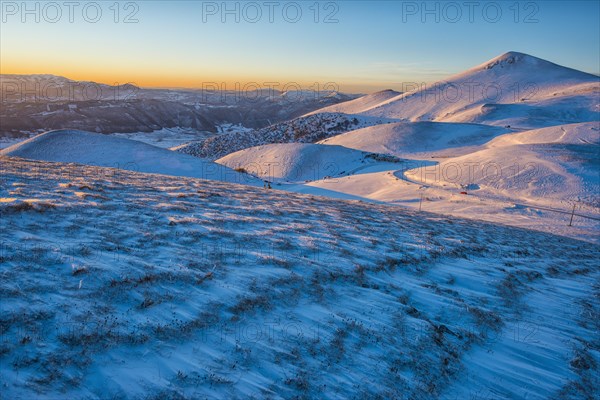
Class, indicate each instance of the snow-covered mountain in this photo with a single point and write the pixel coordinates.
(450, 148)
(513, 89)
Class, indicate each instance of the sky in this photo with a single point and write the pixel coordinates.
(353, 46)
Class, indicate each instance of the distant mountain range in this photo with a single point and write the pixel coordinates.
(37, 103)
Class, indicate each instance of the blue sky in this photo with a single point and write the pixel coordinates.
(361, 46)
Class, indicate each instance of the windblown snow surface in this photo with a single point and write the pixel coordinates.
(156, 287)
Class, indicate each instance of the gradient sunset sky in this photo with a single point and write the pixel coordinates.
(372, 46)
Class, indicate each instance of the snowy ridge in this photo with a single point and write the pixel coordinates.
(308, 129)
(361, 104)
(179, 288)
(70, 146)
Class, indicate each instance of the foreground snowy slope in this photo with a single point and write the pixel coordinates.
(80, 147)
(117, 283)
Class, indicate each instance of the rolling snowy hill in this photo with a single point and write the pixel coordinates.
(514, 91)
(69, 146)
(299, 162)
(159, 287)
(554, 166)
(502, 168)
(413, 140)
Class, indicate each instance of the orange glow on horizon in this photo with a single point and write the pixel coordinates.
(147, 79)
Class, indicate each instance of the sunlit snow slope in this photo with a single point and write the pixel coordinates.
(513, 89)
(298, 162)
(72, 146)
(414, 139)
